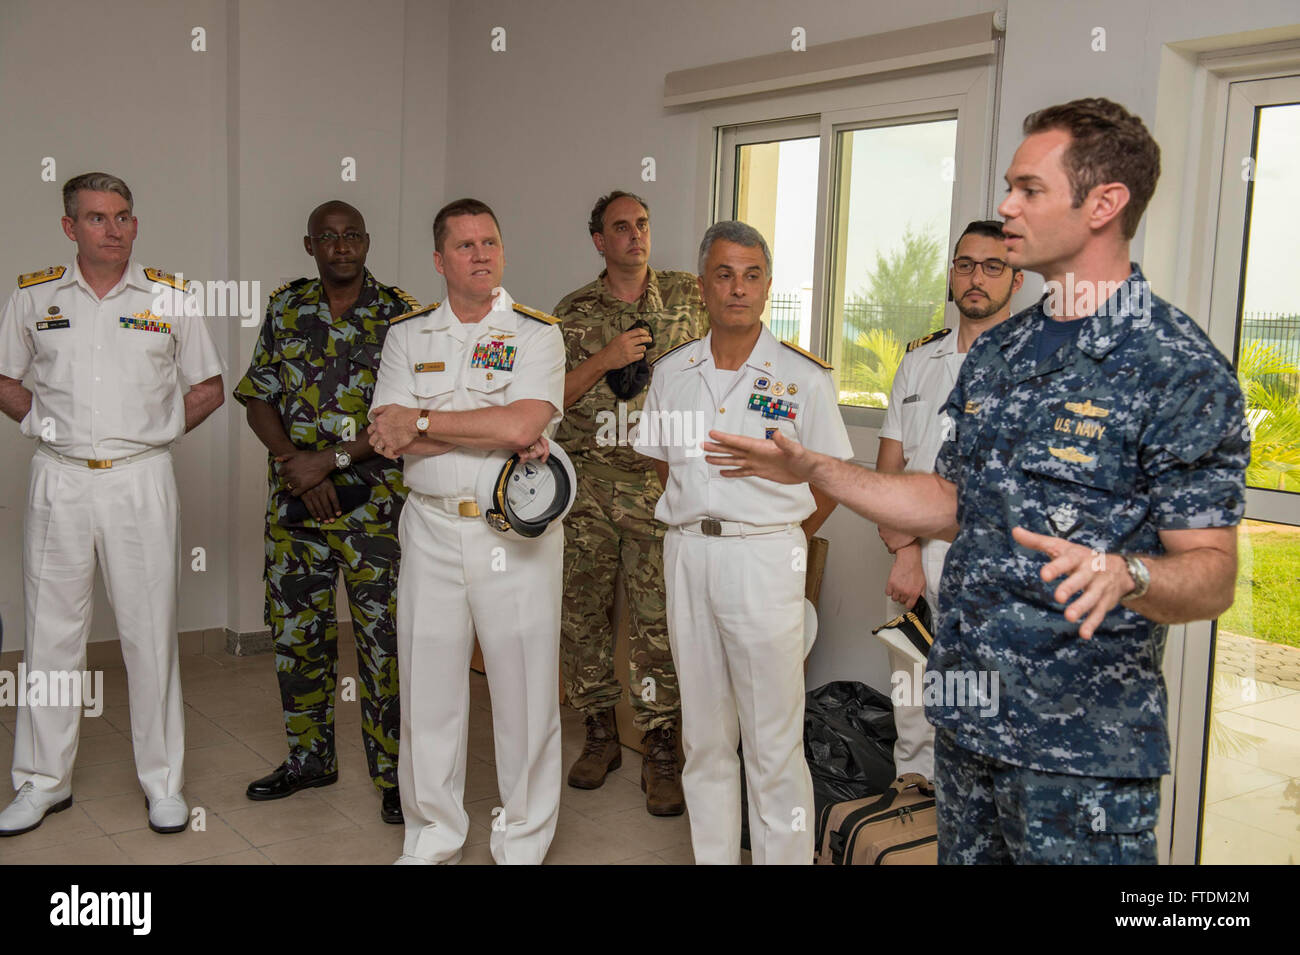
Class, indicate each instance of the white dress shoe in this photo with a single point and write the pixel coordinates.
(30, 807)
(417, 860)
(170, 814)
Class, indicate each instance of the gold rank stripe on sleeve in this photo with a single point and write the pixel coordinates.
(414, 314)
(809, 355)
(405, 297)
(166, 278)
(28, 279)
(926, 339)
(655, 361)
(535, 314)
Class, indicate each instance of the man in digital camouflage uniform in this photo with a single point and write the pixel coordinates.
(612, 523)
(333, 503)
(1100, 428)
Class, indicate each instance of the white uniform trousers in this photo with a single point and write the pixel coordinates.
(459, 577)
(735, 625)
(914, 746)
(127, 517)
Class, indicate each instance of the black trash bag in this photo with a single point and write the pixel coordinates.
(848, 741)
(630, 380)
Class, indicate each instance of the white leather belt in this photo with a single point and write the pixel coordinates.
(100, 464)
(461, 506)
(711, 528)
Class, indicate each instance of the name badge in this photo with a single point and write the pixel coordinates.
(53, 323)
(429, 366)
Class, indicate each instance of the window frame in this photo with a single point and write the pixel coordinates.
(968, 91)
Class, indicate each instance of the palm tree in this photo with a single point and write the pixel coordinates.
(1274, 417)
(875, 373)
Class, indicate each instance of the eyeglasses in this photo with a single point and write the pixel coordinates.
(348, 238)
(992, 267)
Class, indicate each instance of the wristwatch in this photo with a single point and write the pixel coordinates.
(1141, 577)
(342, 459)
(422, 422)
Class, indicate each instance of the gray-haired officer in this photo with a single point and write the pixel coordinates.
(91, 366)
(735, 556)
(458, 382)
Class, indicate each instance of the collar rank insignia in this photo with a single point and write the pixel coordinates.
(496, 354)
(1087, 409)
(773, 408)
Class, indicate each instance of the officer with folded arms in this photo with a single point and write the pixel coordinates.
(461, 385)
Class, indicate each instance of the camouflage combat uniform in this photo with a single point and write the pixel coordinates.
(319, 373)
(612, 521)
(1136, 428)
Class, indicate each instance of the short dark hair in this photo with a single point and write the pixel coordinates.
(596, 224)
(93, 182)
(989, 228)
(460, 207)
(1108, 144)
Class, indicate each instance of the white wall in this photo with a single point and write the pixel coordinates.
(226, 151)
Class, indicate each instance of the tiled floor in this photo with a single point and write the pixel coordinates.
(1252, 785)
(233, 735)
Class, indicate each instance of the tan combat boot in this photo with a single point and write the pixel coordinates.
(601, 753)
(661, 778)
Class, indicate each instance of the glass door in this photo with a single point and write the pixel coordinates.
(1249, 808)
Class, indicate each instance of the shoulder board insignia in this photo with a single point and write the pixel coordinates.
(535, 314)
(166, 278)
(414, 314)
(655, 361)
(405, 297)
(809, 355)
(288, 285)
(28, 279)
(926, 339)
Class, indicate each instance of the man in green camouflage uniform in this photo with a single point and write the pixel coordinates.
(612, 522)
(333, 503)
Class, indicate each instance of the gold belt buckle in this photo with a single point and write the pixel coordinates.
(469, 509)
(101, 464)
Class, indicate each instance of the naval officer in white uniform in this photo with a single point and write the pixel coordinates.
(475, 374)
(981, 284)
(97, 377)
(735, 556)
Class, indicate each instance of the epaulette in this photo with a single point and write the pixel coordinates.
(28, 279)
(288, 285)
(809, 355)
(166, 278)
(404, 296)
(926, 339)
(535, 314)
(418, 311)
(660, 358)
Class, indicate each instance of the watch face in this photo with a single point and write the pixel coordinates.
(343, 459)
(422, 424)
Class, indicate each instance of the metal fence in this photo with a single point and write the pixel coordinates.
(1282, 332)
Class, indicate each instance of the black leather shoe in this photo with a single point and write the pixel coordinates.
(285, 782)
(392, 808)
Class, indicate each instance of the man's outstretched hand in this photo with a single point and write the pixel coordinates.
(779, 459)
(1102, 580)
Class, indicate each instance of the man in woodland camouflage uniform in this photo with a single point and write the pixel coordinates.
(333, 505)
(613, 327)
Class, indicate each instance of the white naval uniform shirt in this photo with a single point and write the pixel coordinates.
(683, 406)
(429, 363)
(106, 373)
(925, 378)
